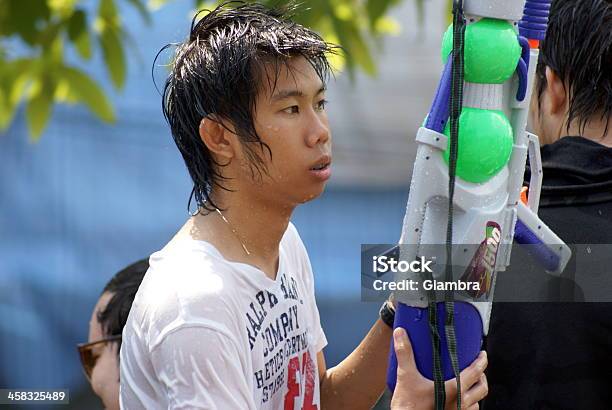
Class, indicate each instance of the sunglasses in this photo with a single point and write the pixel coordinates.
(88, 360)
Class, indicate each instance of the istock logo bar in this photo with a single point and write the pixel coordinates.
(384, 264)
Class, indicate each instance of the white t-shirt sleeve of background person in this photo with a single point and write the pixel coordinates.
(203, 368)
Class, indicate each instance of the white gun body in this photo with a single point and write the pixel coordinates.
(495, 203)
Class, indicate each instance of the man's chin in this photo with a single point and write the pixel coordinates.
(313, 195)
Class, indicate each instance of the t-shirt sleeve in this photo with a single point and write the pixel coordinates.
(320, 340)
(202, 368)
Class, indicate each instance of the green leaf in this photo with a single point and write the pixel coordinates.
(337, 59)
(107, 10)
(109, 31)
(79, 35)
(388, 26)
(83, 45)
(54, 52)
(361, 54)
(49, 36)
(24, 18)
(14, 77)
(114, 58)
(312, 14)
(356, 49)
(344, 12)
(39, 106)
(142, 10)
(378, 8)
(156, 4)
(6, 113)
(62, 7)
(64, 93)
(87, 91)
(77, 24)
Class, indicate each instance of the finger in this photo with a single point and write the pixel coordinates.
(450, 386)
(403, 351)
(471, 374)
(478, 392)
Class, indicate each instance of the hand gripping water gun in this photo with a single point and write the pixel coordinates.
(467, 180)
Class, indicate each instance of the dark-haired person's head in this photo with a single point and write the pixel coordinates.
(245, 101)
(100, 355)
(573, 92)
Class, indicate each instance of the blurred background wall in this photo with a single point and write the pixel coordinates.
(90, 198)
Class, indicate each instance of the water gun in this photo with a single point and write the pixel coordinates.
(467, 182)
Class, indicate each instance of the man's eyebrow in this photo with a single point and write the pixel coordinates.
(283, 94)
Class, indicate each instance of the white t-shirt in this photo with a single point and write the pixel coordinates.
(207, 333)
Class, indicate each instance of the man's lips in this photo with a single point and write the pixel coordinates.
(322, 168)
(322, 163)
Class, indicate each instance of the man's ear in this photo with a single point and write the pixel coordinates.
(217, 138)
(557, 93)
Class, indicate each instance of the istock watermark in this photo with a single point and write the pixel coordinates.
(484, 272)
(427, 285)
(384, 264)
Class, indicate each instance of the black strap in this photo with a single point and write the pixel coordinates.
(456, 103)
(439, 391)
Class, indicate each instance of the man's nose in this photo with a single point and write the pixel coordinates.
(318, 130)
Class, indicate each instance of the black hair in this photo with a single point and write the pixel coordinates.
(578, 48)
(123, 287)
(218, 72)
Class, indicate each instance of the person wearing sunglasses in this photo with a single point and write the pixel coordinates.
(100, 355)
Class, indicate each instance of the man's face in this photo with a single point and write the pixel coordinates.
(105, 374)
(291, 119)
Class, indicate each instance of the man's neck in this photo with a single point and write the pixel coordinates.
(243, 226)
(595, 130)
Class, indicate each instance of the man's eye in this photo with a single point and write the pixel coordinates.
(294, 109)
(322, 104)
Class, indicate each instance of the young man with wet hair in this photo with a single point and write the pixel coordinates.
(557, 355)
(100, 355)
(226, 316)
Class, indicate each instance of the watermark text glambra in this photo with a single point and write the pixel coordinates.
(385, 264)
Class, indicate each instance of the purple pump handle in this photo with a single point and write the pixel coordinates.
(535, 19)
(439, 112)
(522, 68)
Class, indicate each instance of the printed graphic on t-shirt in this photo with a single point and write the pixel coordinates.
(275, 321)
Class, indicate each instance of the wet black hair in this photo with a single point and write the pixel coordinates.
(123, 286)
(217, 73)
(578, 48)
